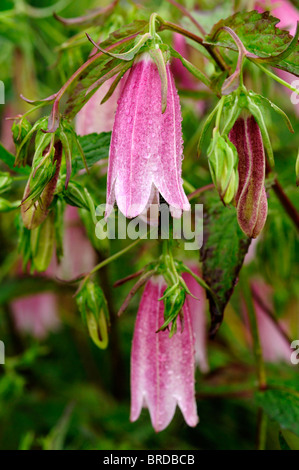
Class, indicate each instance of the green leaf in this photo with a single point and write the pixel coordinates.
(95, 148)
(282, 406)
(260, 36)
(98, 68)
(283, 443)
(222, 254)
(9, 159)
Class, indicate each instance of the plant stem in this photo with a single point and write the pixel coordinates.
(286, 203)
(213, 52)
(115, 256)
(275, 77)
(260, 366)
(198, 191)
(284, 200)
(261, 430)
(178, 29)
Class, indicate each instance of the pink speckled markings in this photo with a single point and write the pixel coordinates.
(162, 368)
(146, 146)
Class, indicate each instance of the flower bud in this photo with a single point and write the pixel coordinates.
(223, 161)
(251, 196)
(42, 241)
(20, 131)
(39, 192)
(174, 298)
(93, 308)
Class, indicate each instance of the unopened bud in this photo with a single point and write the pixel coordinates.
(251, 197)
(93, 308)
(36, 203)
(223, 161)
(42, 241)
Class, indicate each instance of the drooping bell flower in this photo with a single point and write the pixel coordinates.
(146, 145)
(251, 196)
(162, 368)
(36, 315)
(97, 117)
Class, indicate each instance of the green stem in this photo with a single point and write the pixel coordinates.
(261, 430)
(178, 29)
(115, 256)
(188, 186)
(152, 25)
(259, 362)
(200, 190)
(260, 366)
(275, 77)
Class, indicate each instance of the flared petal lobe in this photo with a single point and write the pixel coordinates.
(252, 206)
(162, 368)
(146, 145)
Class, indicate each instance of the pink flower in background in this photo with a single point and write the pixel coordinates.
(97, 117)
(162, 368)
(282, 9)
(78, 254)
(274, 342)
(36, 314)
(146, 145)
(197, 309)
(183, 78)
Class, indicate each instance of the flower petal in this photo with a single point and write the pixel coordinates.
(162, 368)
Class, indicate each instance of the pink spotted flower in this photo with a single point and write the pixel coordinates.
(146, 145)
(162, 368)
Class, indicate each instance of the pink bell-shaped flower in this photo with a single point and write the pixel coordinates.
(162, 368)
(146, 145)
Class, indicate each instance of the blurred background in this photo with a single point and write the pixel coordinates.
(57, 389)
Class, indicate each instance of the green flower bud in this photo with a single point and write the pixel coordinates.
(174, 298)
(20, 132)
(40, 190)
(223, 162)
(42, 240)
(94, 312)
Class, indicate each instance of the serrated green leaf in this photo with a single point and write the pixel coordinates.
(260, 36)
(98, 68)
(222, 254)
(95, 148)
